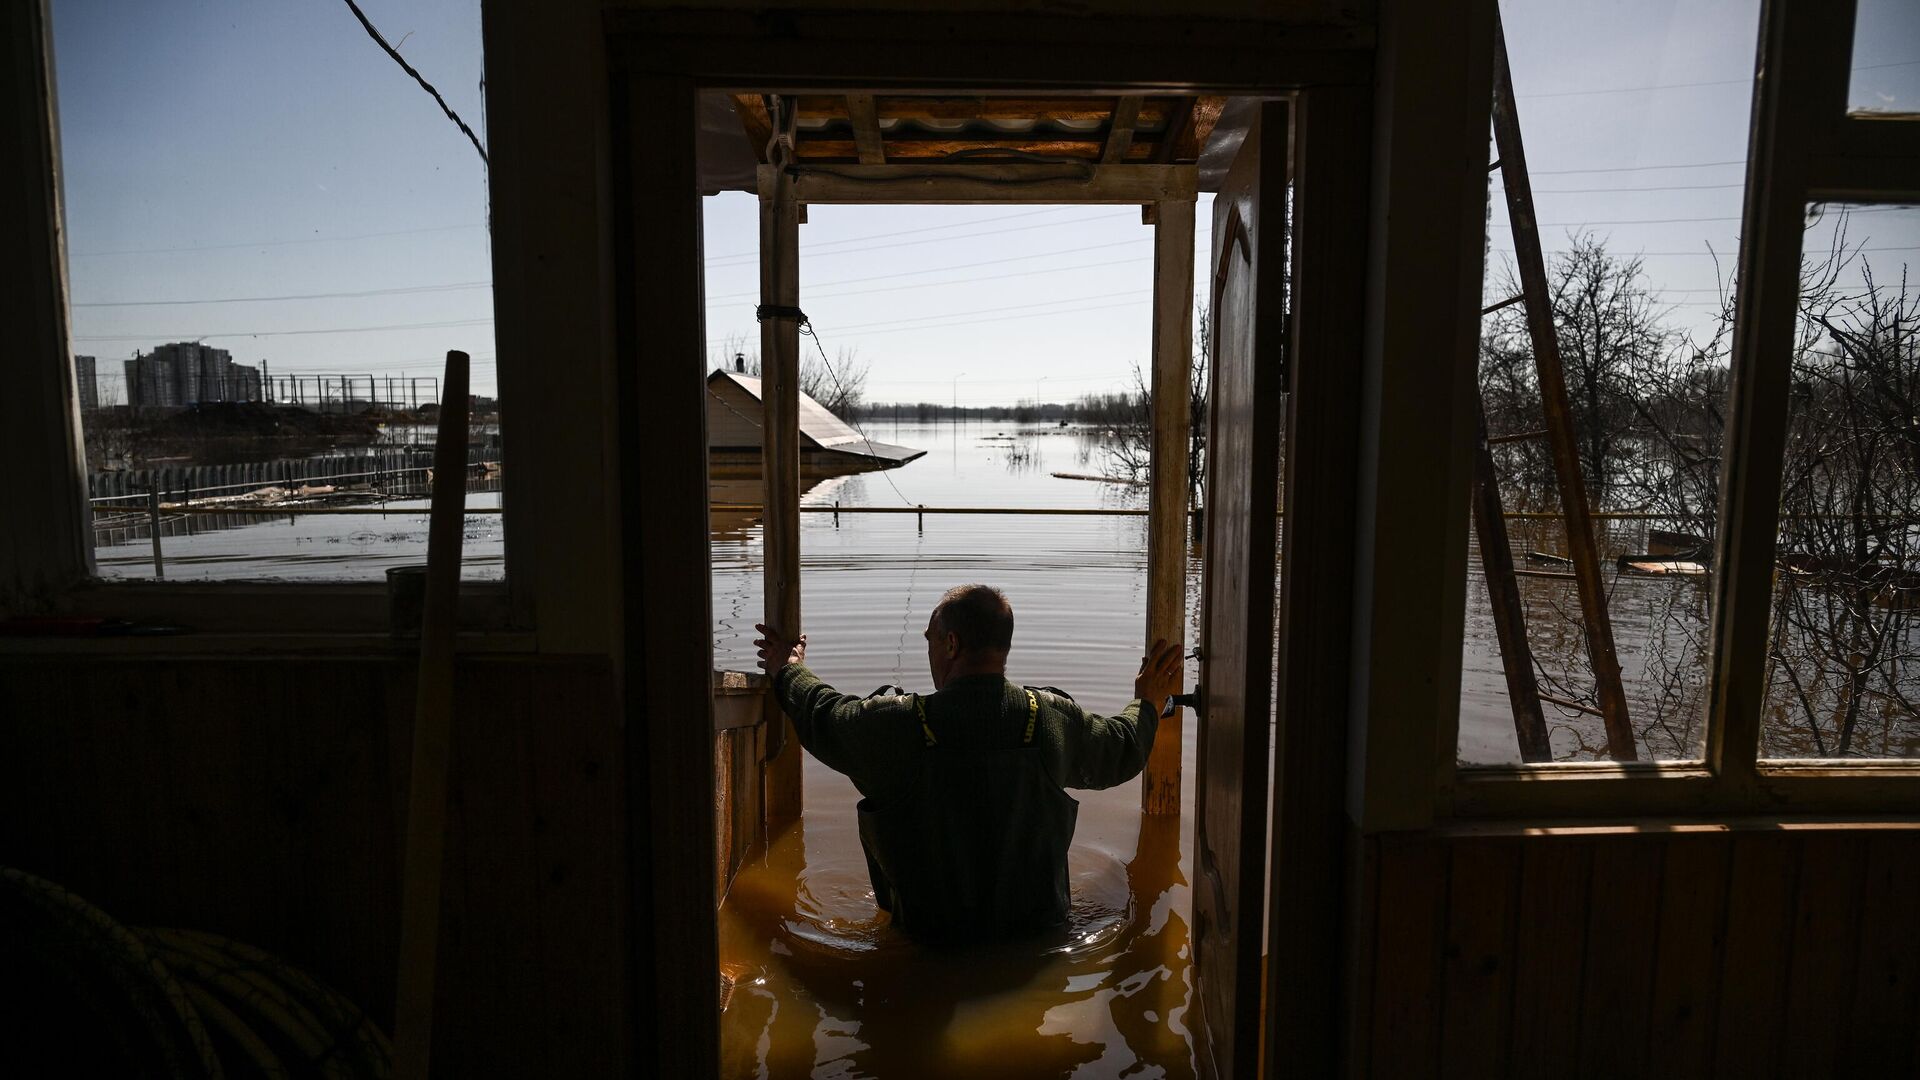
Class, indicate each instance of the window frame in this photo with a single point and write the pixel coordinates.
(50, 555)
(1803, 147)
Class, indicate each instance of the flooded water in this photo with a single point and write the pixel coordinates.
(822, 986)
(301, 547)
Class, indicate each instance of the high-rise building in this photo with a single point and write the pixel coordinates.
(85, 376)
(188, 373)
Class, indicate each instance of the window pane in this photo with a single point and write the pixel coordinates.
(274, 237)
(1844, 676)
(1886, 58)
(1634, 118)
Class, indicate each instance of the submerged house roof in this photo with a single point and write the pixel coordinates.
(733, 426)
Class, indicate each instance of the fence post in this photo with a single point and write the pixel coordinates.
(153, 526)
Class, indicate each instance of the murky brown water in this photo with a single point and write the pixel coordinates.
(823, 987)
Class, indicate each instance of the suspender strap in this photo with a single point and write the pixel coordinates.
(926, 731)
(920, 707)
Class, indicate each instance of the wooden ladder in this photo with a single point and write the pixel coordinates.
(1496, 553)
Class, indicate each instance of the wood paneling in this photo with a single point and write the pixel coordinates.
(261, 799)
(1753, 950)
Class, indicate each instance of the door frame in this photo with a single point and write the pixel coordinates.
(658, 62)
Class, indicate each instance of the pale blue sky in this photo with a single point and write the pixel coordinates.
(220, 149)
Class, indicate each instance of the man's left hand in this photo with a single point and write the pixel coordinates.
(777, 650)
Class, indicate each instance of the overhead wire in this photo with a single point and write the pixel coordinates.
(381, 40)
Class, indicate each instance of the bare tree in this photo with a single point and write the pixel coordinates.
(1129, 449)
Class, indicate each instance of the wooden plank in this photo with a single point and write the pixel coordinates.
(1177, 129)
(1126, 113)
(1760, 892)
(1687, 964)
(1503, 595)
(922, 148)
(866, 129)
(1550, 954)
(1477, 1003)
(1000, 183)
(1623, 923)
(1360, 949)
(1070, 107)
(1885, 1002)
(1544, 335)
(780, 457)
(752, 110)
(1330, 161)
(46, 535)
(1169, 496)
(1826, 940)
(1412, 932)
(928, 51)
(422, 872)
(666, 623)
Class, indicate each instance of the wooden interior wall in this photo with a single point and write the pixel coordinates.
(264, 799)
(1766, 951)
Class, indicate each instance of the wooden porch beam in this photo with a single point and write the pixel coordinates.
(988, 184)
(866, 129)
(780, 466)
(1179, 123)
(755, 122)
(1126, 113)
(1168, 494)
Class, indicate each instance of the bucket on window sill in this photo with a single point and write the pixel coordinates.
(406, 599)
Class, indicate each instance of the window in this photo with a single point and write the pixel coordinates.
(1843, 677)
(1885, 76)
(1783, 430)
(273, 239)
(1634, 125)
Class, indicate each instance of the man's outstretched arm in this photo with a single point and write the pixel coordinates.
(1102, 751)
(860, 737)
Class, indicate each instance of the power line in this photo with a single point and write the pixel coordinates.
(451, 287)
(923, 229)
(271, 243)
(178, 335)
(1748, 81)
(961, 281)
(810, 253)
(955, 266)
(1637, 168)
(421, 79)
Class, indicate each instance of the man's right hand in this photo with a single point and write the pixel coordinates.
(1159, 676)
(777, 651)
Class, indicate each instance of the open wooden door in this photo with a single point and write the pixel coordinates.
(1237, 622)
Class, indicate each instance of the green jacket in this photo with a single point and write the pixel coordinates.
(965, 820)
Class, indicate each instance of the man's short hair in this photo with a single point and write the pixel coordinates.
(979, 616)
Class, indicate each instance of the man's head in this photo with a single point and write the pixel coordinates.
(969, 634)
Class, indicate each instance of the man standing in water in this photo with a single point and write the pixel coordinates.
(964, 816)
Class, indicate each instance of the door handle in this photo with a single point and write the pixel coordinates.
(1188, 701)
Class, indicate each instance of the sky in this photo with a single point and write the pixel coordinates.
(259, 174)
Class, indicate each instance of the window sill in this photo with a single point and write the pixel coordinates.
(1666, 790)
(259, 645)
(322, 609)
